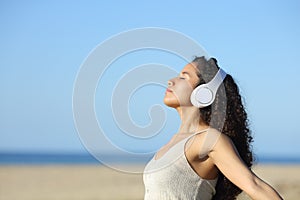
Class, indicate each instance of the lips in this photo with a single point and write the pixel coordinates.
(168, 90)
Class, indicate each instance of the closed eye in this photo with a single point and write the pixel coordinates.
(183, 75)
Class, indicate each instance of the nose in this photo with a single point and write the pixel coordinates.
(170, 83)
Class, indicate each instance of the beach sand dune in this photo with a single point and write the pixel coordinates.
(91, 182)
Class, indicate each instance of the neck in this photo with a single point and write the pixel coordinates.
(190, 119)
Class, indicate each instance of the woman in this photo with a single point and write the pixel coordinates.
(210, 156)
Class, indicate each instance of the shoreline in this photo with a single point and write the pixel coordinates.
(31, 158)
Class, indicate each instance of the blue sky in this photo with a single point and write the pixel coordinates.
(43, 45)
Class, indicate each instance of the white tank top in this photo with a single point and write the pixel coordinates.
(172, 178)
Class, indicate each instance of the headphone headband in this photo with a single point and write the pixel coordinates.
(217, 80)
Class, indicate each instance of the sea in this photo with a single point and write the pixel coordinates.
(85, 158)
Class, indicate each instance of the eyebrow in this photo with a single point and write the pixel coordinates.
(186, 73)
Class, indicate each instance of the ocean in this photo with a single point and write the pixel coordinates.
(51, 158)
(84, 158)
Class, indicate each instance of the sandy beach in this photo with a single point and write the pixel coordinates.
(91, 182)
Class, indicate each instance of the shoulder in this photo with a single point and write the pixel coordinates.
(223, 141)
(223, 147)
(202, 144)
(212, 138)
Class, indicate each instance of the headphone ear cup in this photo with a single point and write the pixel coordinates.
(193, 98)
(202, 96)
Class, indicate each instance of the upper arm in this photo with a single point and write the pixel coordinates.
(225, 156)
(227, 159)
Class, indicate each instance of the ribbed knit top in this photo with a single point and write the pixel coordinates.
(172, 178)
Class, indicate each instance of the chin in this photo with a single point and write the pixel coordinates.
(171, 103)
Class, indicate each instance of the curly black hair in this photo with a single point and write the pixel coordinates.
(235, 125)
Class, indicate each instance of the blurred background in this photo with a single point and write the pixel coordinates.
(44, 43)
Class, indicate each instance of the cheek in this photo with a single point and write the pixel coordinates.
(184, 94)
(184, 90)
(180, 96)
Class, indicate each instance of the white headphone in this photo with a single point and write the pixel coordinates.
(204, 95)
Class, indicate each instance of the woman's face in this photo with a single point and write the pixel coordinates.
(180, 88)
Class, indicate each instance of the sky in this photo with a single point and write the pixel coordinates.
(44, 44)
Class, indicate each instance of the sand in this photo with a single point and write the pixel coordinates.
(91, 182)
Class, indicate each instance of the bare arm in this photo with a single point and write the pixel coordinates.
(226, 158)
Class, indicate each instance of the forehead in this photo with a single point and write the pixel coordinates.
(191, 69)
